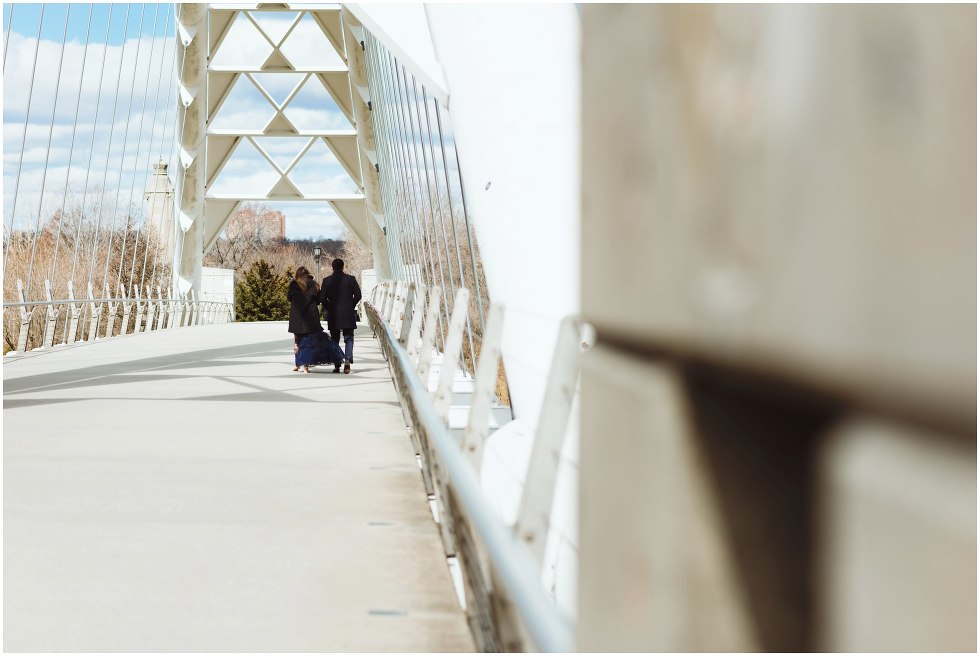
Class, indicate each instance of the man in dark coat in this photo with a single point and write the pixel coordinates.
(339, 293)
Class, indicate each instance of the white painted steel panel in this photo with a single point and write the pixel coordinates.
(403, 30)
(515, 117)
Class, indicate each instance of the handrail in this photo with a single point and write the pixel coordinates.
(66, 301)
(159, 313)
(511, 563)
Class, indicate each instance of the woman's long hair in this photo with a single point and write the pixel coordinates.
(303, 278)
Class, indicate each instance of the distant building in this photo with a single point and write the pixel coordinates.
(269, 225)
(159, 197)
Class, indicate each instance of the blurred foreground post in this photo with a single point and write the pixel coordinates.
(779, 417)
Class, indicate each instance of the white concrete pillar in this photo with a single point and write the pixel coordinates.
(191, 116)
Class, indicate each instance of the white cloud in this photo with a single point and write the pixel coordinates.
(146, 72)
(114, 81)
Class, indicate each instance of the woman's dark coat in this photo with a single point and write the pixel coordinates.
(338, 295)
(302, 309)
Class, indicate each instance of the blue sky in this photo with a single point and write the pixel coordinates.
(25, 21)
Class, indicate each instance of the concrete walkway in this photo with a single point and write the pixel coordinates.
(186, 491)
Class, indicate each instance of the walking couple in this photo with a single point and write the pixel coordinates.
(339, 294)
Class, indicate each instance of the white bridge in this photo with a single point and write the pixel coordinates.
(668, 341)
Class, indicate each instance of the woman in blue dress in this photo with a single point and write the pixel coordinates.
(310, 344)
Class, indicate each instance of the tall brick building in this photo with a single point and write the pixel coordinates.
(264, 223)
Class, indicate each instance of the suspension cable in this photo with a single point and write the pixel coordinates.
(414, 213)
(91, 152)
(122, 158)
(413, 155)
(71, 150)
(466, 220)
(156, 197)
(136, 158)
(434, 207)
(377, 110)
(445, 167)
(397, 213)
(379, 126)
(112, 124)
(413, 187)
(47, 157)
(452, 220)
(404, 215)
(6, 37)
(388, 182)
(402, 165)
(440, 247)
(149, 157)
(23, 142)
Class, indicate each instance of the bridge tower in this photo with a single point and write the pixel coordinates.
(285, 149)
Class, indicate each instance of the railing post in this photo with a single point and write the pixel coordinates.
(127, 307)
(429, 335)
(171, 308)
(95, 312)
(50, 317)
(395, 299)
(140, 309)
(186, 310)
(190, 309)
(396, 308)
(161, 309)
(25, 319)
(408, 309)
(151, 308)
(484, 388)
(450, 358)
(382, 299)
(415, 328)
(76, 311)
(390, 298)
(195, 308)
(111, 305)
(534, 511)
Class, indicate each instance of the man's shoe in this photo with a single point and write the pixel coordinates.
(336, 369)
(347, 367)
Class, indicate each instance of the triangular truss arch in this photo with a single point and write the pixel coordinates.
(309, 155)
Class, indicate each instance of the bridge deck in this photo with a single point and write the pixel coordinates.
(186, 491)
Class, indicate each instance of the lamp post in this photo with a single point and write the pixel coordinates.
(316, 256)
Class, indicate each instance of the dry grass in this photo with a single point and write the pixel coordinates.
(76, 252)
(448, 264)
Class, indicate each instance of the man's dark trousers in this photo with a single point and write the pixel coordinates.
(348, 343)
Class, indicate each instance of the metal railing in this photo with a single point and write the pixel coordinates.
(506, 603)
(71, 321)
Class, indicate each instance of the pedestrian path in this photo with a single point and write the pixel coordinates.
(185, 491)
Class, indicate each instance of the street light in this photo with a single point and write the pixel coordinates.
(316, 256)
